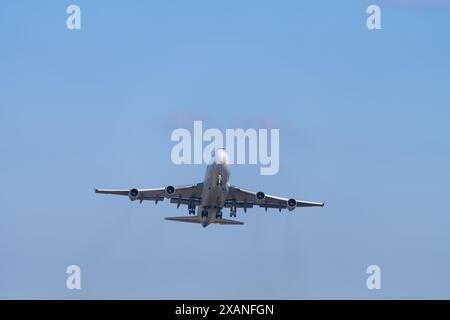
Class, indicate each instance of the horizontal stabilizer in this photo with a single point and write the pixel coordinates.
(227, 221)
(192, 219)
(197, 219)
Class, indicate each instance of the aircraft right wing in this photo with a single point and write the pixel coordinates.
(187, 194)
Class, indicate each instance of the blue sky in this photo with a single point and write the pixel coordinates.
(363, 118)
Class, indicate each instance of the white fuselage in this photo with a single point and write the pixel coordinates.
(215, 188)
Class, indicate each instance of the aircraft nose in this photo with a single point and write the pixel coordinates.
(221, 157)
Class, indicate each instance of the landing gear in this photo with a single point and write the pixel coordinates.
(204, 213)
(219, 178)
(191, 208)
(219, 214)
(233, 211)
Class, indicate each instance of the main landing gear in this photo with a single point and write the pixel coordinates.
(233, 211)
(205, 213)
(191, 209)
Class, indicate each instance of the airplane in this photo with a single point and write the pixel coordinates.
(211, 196)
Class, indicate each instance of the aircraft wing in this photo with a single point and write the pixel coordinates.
(187, 194)
(241, 198)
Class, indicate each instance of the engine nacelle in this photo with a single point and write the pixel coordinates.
(260, 196)
(133, 194)
(291, 204)
(170, 190)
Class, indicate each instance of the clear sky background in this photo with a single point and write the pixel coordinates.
(364, 126)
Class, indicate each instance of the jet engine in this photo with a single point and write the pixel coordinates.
(291, 204)
(133, 194)
(260, 196)
(170, 190)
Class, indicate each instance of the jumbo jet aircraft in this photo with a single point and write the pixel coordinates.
(212, 195)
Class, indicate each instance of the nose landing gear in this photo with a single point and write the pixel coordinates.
(219, 178)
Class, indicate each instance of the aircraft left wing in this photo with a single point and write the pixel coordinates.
(240, 198)
(187, 194)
